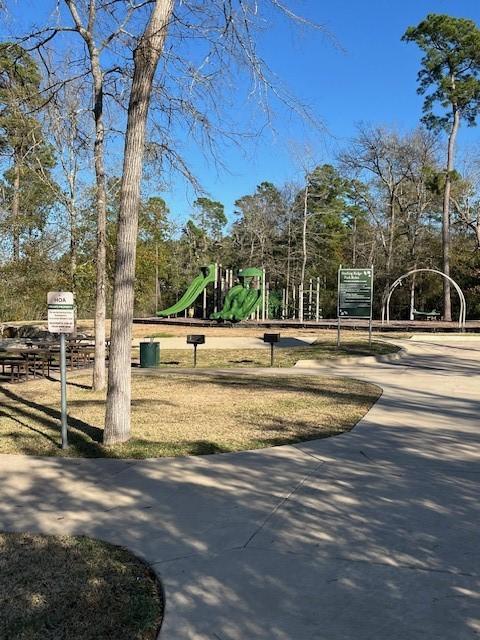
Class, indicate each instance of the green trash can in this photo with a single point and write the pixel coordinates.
(149, 354)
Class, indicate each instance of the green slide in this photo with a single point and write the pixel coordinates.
(242, 299)
(204, 278)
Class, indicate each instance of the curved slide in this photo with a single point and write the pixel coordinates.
(239, 304)
(197, 286)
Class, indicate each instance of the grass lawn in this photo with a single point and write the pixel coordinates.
(179, 414)
(323, 348)
(75, 588)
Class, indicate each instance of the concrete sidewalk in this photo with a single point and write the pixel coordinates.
(372, 535)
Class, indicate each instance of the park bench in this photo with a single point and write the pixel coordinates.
(429, 315)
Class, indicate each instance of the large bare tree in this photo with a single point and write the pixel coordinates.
(146, 56)
(377, 156)
(85, 26)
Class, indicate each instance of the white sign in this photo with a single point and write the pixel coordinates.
(61, 312)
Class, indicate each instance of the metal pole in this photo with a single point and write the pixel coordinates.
(371, 310)
(310, 299)
(338, 332)
(215, 290)
(63, 387)
(194, 355)
(317, 310)
(271, 354)
(264, 290)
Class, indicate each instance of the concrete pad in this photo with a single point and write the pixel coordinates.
(266, 595)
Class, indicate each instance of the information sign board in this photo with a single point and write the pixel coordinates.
(355, 293)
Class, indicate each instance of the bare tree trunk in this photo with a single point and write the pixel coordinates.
(72, 219)
(391, 236)
(304, 255)
(87, 33)
(16, 211)
(146, 57)
(354, 242)
(447, 304)
(289, 258)
(99, 371)
(73, 246)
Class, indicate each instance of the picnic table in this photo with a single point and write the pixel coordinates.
(37, 356)
(429, 315)
(23, 361)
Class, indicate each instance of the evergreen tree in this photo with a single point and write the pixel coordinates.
(29, 190)
(449, 76)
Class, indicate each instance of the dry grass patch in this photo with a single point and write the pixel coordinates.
(175, 414)
(75, 588)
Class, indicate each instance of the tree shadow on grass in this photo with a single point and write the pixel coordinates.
(51, 417)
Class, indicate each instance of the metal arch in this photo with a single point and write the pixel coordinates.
(463, 304)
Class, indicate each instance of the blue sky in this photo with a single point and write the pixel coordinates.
(369, 77)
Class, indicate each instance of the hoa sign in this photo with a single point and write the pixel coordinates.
(61, 312)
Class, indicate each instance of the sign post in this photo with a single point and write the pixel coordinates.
(61, 319)
(355, 297)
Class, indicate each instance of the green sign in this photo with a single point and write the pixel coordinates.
(355, 293)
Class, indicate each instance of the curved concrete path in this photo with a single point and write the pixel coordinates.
(371, 535)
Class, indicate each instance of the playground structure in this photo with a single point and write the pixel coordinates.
(293, 305)
(243, 299)
(223, 298)
(302, 303)
(247, 295)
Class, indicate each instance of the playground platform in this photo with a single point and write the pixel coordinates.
(430, 326)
